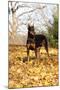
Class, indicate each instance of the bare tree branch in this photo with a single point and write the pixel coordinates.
(16, 3)
(11, 4)
(10, 33)
(30, 11)
(13, 9)
(20, 6)
(41, 7)
(26, 12)
(10, 24)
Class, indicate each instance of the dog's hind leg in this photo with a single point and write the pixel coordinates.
(46, 47)
(37, 53)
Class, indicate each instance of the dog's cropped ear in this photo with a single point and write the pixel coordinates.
(28, 26)
(33, 25)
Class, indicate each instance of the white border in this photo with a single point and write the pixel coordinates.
(4, 44)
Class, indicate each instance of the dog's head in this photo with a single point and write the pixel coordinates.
(31, 30)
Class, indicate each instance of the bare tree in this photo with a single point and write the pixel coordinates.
(13, 8)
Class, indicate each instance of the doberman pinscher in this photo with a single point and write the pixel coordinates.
(34, 42)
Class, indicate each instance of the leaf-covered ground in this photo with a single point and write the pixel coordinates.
(43, 72)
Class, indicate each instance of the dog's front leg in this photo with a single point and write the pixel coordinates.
(28, 54)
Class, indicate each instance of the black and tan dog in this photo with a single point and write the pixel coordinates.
(34, 42)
